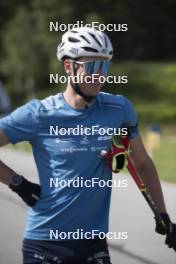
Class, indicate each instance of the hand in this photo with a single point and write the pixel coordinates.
(28, 191)
(116, 155)
(169, 231)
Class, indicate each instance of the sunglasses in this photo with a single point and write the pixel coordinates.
(94, 66)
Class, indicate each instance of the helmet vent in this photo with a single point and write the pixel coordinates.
(85, 39)
(106, 43)
(90, 49)
(94, 37)
(62, 44)
(73, 31)
(73, 39)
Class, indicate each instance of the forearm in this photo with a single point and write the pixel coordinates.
(5, 173)
(28, 191)
(150, 177)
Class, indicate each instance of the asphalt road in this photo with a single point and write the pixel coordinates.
(129, 213)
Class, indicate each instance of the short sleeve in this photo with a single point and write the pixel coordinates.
(130, 119)
(23, 123)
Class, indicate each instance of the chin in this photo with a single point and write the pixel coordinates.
(92, 89)
(95, 89)
(96, 92)
(96, 86)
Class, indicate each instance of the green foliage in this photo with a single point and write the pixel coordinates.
(151, 87)
(28, 49)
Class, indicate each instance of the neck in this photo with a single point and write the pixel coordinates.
(74, 99)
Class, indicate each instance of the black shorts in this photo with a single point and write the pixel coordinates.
(85, 251)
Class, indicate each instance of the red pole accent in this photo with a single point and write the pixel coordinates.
(131, 167)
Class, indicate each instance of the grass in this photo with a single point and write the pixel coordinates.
(23, 146)
(165, 159)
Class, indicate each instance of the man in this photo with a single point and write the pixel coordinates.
(68, 156)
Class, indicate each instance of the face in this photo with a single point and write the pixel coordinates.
(93, 86)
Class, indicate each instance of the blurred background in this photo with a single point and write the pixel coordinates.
(146, 53)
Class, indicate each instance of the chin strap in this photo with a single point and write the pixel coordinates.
(77, 88)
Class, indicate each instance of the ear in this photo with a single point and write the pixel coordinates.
(68, 66)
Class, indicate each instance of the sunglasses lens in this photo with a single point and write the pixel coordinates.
(89, 67)
(92, 67)
(105, 67)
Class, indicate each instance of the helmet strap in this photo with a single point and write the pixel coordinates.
(77, 88)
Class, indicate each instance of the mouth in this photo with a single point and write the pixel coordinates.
(92, 80)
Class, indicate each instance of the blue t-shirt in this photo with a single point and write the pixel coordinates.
(62, 157)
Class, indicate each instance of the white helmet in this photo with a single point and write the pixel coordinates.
(84, 42)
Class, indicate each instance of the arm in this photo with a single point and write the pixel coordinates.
(29, 192)
(147, 171)
(5, 172)
(148, 174)
(150, 177)
(21, 125)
